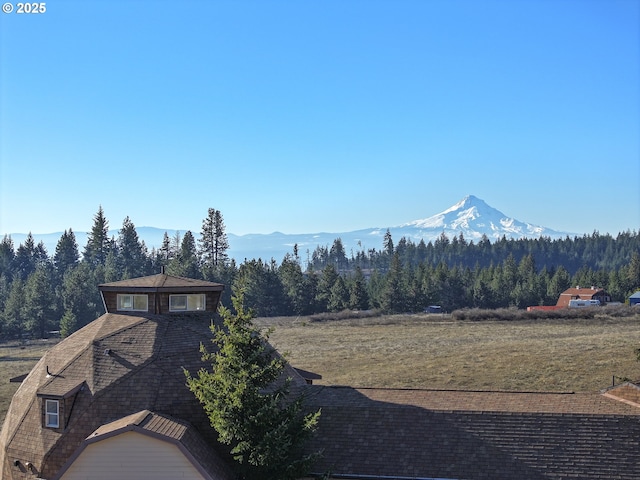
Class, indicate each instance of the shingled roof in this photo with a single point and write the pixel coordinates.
(161, 282)
(113, 367)
(417, 434)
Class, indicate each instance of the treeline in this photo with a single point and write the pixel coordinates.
(40, 293)
(594, 251)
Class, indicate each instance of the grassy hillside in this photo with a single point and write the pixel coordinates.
(433, 351)
(420, 351)
(17, 359)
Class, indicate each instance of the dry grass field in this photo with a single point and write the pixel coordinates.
(17, 359)
(433, 351)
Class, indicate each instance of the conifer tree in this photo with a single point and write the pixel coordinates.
(358, 296)
(165, 252)
(337, 254)
(25, 258)
(39, 309)
(98, 243)
(293, 285)
(185, 264)
(80, 297)
(66, 255)
(249, 402)
(339, 295)
(213, 240)
(326, 282)
(7, 256)
(392, 300)
(68, 324)
(12, 316)
(387, 243)
(633, 275)
(132, 252)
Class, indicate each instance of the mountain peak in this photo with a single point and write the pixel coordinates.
(467, 202)
(474, 218)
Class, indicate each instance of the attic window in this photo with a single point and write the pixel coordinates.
(187, 303)
(52, 413)
(136, 303)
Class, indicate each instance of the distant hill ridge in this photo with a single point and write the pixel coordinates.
(471, 216)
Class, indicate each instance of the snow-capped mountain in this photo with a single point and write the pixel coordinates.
(471, 216)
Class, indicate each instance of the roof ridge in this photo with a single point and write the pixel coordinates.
(620, 399)
(142, 318)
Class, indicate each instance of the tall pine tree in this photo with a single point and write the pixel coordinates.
(213, 240)
(98, 242)
(66, 255)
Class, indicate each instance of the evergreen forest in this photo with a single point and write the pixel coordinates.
(43, 292)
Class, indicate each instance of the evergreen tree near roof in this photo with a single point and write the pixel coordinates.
(80, 298)
(213, 240)
(68, 324)
(98, 243)
(249, 402)
(66, 255)
(25, 258)
(166, 251)
(39, 308)
(132, 252)
(185, 263)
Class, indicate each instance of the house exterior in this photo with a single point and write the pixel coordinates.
(583, 293)
(118, 379)
(635, 298)
(110, 401)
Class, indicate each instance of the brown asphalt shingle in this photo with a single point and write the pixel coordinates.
(160, 281)
(474, 435)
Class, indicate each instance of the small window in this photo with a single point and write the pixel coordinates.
(177, 302)
(136, 303)
(52, 413)
(183, 303)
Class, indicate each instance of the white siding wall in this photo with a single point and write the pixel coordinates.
(132, 455)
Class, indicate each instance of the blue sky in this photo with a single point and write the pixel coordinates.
(308, 116)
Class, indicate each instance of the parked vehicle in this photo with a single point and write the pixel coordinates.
(583, 303)
(433, 309)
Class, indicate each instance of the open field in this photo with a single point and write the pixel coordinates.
(433, 351)
(16, 359)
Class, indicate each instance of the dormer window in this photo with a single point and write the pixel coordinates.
(52, 413)
(133, 303)
(58, 396)
(187, 303)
